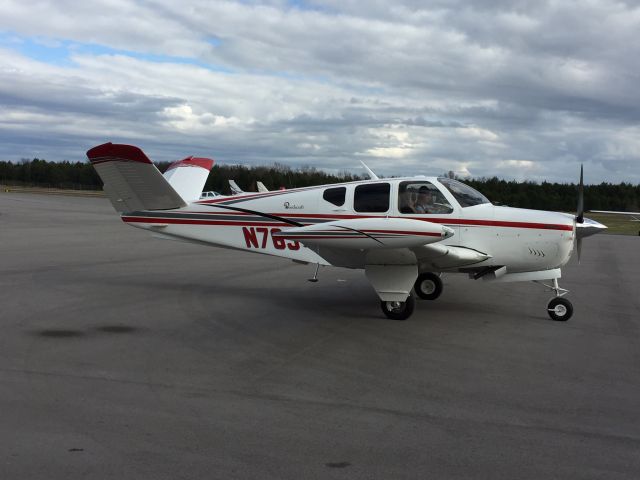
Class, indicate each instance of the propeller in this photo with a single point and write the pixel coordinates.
(583, 227)
(580, 213)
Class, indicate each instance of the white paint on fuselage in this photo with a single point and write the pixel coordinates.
(523, 240)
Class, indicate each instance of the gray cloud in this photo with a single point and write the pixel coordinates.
(515, 89)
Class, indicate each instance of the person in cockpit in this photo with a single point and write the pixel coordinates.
(424, 204)
(407, 202)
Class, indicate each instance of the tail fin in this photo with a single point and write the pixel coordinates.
(235, 189)
(131, 181)
(261, 187)
(188, 176)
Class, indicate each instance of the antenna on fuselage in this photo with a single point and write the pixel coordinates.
(372, 175)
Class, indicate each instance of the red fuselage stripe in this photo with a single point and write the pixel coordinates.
(190, 221)
(448, 221)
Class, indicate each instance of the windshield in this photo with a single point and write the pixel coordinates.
(464, 194)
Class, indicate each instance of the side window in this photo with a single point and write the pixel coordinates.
(373, 197)
(420, 197)
(335, 195)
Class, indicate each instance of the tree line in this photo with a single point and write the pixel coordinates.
(543, 196)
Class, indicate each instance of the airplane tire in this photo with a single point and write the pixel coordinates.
(560, 309)
(398, 310)
(428, 286)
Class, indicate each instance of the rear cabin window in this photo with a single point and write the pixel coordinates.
(335, 195)
(373, 197)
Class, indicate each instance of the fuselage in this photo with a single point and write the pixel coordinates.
(523, 240)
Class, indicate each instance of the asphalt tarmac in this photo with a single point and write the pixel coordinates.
(128, 357)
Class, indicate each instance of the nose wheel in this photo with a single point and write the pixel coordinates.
(559, 308)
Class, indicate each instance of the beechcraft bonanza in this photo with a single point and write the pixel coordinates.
(404, 232)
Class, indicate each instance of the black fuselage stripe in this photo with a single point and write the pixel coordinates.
(260, 214)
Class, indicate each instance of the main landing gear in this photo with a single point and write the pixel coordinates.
(428, 286)
(559, 309)
(398, 310)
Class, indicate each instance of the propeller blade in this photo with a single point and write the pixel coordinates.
(579, 247)
(580, 212)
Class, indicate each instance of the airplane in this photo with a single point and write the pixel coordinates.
(404, 232)
(235, 189)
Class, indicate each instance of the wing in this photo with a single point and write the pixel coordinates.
(438, 257)
(635, 216)
(368, 233)
(384, 247)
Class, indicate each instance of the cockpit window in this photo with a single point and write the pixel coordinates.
(420, 197)
(464, 194)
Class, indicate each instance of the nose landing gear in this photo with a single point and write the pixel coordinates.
(559, 309)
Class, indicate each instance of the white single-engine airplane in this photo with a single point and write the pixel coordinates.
(404, 232)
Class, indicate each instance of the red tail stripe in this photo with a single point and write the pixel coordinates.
(109, 152)
(205, 163)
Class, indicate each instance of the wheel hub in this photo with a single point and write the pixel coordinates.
(428, 286)
(394, 306)
(560, 310)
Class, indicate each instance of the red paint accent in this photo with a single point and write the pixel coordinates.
(441, 220)
(449, 221)
(191, 221)
(285, 234)
(278, 242)
(402, 232)
(218, 212)
(329, 237)
(205, 163)
(293, 246)
(114, 152)
(250, 237)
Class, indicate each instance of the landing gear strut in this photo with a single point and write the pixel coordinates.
(398, 310)
(428, 286)
(559, 309)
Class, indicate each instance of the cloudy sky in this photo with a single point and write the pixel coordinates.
(518, 89)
